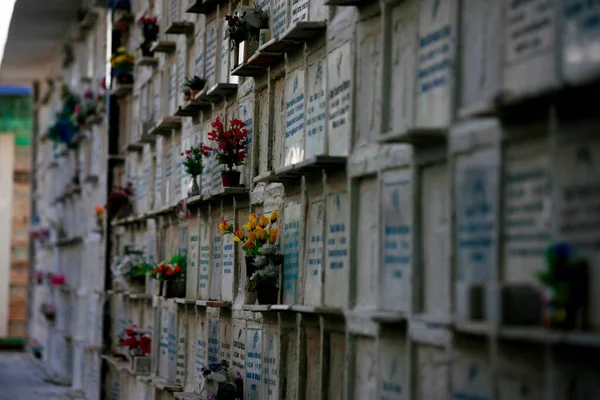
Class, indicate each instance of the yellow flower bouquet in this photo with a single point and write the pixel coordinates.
(255, 234)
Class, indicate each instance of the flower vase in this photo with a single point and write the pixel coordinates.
(193, 188)
(250, 267)
(175, 289)
(266, 292)
(251, 298)
(246, 49)
(230, 178)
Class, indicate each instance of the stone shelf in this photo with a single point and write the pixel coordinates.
(191, 108)
(94, 119)
(134, 147)
(139, 296)
(164, 384)
(147, 61)
(204, 6)
(307, 167)
(350, 3)
(147, 138)
(180, 28)
(124, 18)
(116, 158)
(304, 31)
(181, 300)
(188, 396)
(257, 307)
(130, 220)
(69, 241)
(222, 90)
(163, 46)
(165, 125)
(226, 192)
(205, 97)
(213, 303)
(91, 178)
(118, 362)
(248, 70)
(121, 90)
(414, 136)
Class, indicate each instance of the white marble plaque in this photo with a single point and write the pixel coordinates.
(339, 124)
(163, 357)
(527, 204)
(246, 114)
(368, 81)
(192, 258)
(404, 44)
(199, 61)
(314, 260)
(217, 268)
(158, 178)
(364, 382)
(315, 113)
(172, 88)
(223, 54)
(432, 368)
(476, 191)
(318, 10)
(252, 383)
(313, 362)
(435, 239)
(228, 265)
(181, 75)
(178, 173)
(529, 46)
(169, 170)
(157, 103)
(368, 230)
(393, 368)
(185, 178)
(471, 377)
(207, 162)
(336, 249)
(201, 351)
(294, 117)
(578, 207)
(204, 274)
(172, 340)
(435, 69)
(181, 349)
(213, 340)
(299, 10)
(239, 347)
(270, 364)
(225, 341)
(148, 173)
(396, 276)
(292, 214)
(211, 53)
(279, 12)
(580, 38)
(174, 10)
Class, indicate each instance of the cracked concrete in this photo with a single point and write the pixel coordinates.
(22, 378)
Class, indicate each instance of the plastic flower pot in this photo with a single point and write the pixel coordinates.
(175, 289)
(266, 292)
(250, 267)
(230, 178)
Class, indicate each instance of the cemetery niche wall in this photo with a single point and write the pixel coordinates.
(324, 200)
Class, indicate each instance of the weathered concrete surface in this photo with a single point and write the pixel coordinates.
(21, 378)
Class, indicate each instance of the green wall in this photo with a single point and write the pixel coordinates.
(15, 116)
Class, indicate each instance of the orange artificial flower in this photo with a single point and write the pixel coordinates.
(264, 221)
(252, 221)
(273, 235)
(249, 245)
(99, 210)
(239, 235)
(260, 233)
(273, 216)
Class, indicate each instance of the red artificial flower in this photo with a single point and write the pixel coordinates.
(241, 156)
(161, 268)
(177, 268)
(145, 345)
(129, 342)
(237, 123)
(169, 271)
